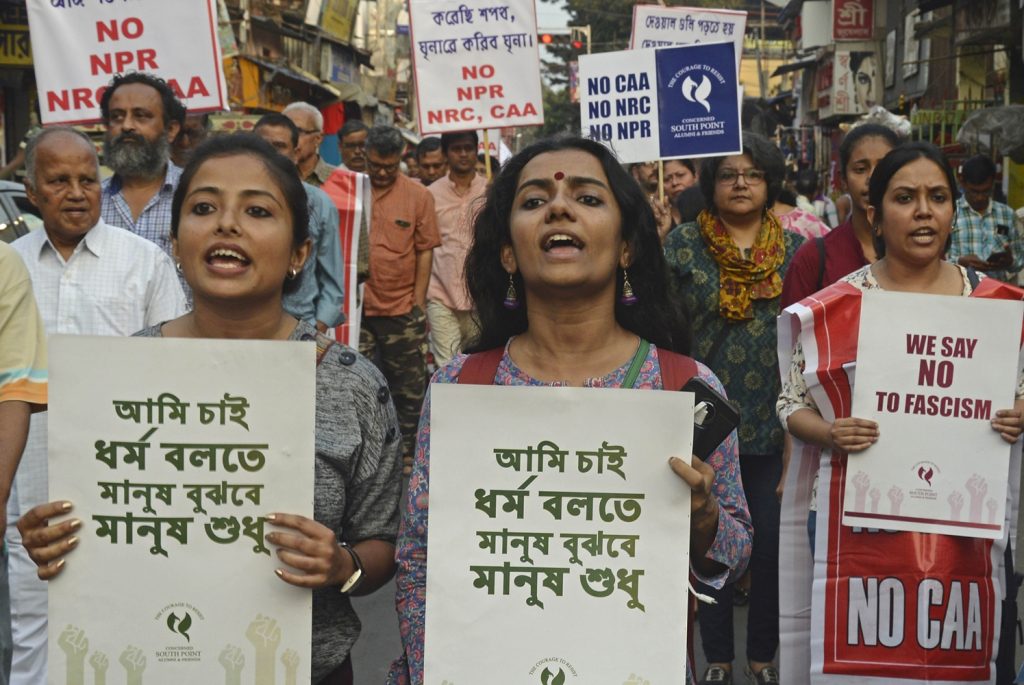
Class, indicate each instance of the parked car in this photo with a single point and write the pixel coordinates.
(18, 216)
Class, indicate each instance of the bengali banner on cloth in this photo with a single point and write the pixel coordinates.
(100, 39)
(660, 104)
(556, 517)
(655, 26)
(878, 606)
(173, 452)
(477, 64)
(933, 372)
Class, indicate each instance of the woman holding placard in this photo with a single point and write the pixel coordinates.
(727, 269)
(911, 206)
(240, 236)
(568, 277)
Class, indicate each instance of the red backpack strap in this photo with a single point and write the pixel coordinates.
(480, 368)
(676, 369)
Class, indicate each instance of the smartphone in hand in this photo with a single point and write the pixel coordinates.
(714, 417)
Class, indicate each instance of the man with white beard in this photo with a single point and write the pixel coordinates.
(142, 116)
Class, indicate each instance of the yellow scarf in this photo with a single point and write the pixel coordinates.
(743, 279)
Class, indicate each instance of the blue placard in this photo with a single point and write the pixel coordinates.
(698, 100)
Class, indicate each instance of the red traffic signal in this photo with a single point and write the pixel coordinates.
(546, 38)
(577, 44)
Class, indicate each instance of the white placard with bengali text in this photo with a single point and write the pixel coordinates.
(477, 64)
(82, 44)
(932, 371)
(172, 452)
(559, 533)
(655, 26)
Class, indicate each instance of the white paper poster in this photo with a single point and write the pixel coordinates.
(932, 371)
(173, 452)
(662, 104)
(89, 42)
(655, 26)
(477, 64)
(495, 146)
(559, 536)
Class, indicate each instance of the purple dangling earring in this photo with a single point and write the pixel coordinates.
(628, 298)
(511, 298)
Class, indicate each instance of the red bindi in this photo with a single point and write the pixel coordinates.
(559, 175)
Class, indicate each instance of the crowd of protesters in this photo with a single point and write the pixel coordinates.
(690, 261)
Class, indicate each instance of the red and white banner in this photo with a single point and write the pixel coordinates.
(477, 64)
(82, 45)
(873, 606)
(350, 193)
(853, 19)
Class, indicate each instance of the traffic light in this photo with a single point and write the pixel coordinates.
(580, 38)
(574, 38)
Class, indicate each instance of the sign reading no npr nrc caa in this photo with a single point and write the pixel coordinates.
(476, 64)
(658, 104)
(86, 44)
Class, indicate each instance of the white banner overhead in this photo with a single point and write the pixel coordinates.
(477, 64)
(655, 26)
(82, 45)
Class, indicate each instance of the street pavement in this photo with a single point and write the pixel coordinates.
(379, 642)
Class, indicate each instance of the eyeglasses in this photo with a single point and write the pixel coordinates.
(386, 168)
(753, 177)
(353, 146)
(308, 131)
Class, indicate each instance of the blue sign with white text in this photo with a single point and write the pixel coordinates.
(698, 101)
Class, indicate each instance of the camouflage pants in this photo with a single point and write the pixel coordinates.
(398, 346)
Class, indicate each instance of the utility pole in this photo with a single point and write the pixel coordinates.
(762, 82)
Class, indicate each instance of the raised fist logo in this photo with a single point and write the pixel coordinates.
(861, 483)
(895, 500)
(956, 504)
(875, 494)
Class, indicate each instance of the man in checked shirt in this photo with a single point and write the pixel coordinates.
(142, 116)
(985, 235)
